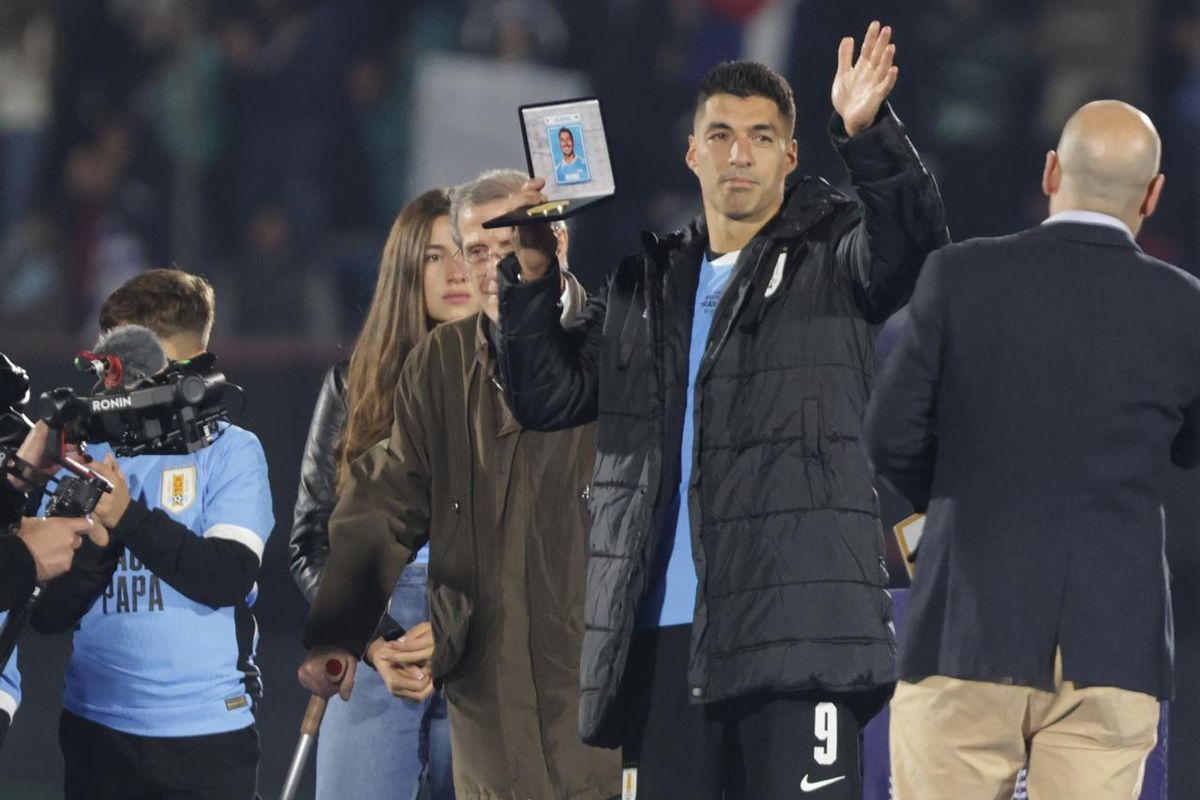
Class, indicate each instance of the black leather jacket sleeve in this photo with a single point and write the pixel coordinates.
(309, 542)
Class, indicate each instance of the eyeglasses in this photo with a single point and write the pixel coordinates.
(482, 253)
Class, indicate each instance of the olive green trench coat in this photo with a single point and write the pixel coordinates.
(504, 511)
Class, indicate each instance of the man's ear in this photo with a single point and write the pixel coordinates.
(793, 156)
(1153, 192)
(1051, 174)
(690, 155)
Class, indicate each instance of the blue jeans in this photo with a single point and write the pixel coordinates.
(381, 746)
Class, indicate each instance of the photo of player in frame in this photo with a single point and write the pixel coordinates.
(569, 152)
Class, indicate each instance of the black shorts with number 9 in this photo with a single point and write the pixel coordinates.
(761, 747)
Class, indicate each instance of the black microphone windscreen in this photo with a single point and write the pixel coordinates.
(140, 351)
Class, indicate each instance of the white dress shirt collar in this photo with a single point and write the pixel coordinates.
(1089, 218)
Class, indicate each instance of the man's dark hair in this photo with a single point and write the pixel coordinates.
(567, 131)
(749, 79)
(167, 301)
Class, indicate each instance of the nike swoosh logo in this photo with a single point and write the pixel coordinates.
(812, 786)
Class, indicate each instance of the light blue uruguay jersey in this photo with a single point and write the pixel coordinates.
(149, 661)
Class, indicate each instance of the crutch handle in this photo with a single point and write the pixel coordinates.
(313, 715)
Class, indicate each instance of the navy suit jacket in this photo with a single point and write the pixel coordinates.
(1044, 382)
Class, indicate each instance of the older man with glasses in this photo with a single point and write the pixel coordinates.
(504, 511)
(483, 248)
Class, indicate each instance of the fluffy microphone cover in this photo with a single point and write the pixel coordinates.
(140, 351)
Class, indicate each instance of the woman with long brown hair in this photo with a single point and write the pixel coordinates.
(392, 734)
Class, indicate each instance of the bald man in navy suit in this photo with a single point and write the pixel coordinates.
(1044, 382)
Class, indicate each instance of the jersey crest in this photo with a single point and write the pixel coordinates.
(178, 489)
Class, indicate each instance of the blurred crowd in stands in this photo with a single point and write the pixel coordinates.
(268, 143)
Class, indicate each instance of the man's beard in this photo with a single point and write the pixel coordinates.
(740, 211)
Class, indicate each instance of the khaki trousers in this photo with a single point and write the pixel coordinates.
(967, 740)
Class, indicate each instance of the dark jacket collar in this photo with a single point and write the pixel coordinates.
(805, 203)
(1089, 233)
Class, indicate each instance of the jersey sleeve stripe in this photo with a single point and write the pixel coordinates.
(237, 533)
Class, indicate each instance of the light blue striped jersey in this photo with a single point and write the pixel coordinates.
(149, 661)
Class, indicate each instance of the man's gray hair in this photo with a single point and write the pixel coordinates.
(489, 185)
(492, 184)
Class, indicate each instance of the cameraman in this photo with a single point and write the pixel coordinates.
(161, 687)
(32, 550)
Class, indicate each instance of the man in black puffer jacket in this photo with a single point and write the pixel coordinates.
(761, 597)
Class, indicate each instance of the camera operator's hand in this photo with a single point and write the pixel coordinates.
(112, 504)
(35, 451)
(404, 663)
(52, 542)
(314, 674)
